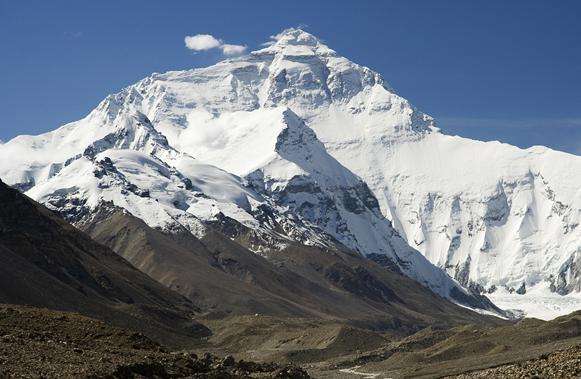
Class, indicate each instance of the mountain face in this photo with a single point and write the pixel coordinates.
(45, 262)
(296, 144)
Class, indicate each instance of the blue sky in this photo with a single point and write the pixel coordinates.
(492, 70)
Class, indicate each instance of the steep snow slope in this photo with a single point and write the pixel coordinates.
(492, 215)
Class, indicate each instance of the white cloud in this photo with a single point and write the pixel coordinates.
(202, 42)
(228, 49)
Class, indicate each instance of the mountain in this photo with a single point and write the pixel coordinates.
(295, 144)
(47, 263)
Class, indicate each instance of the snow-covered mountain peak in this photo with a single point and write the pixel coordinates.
(303, 73)
(295, 42)
(296, 36)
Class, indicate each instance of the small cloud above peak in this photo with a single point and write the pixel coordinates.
(203, 42)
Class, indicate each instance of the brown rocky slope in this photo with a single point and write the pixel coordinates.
(46, 262)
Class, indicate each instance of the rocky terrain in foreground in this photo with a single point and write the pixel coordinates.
(37, 342)
(41, 343)
(560, 364)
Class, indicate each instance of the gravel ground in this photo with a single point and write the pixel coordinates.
(42, 343)
(560, 364)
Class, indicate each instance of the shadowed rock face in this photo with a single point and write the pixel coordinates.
(48, 263)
